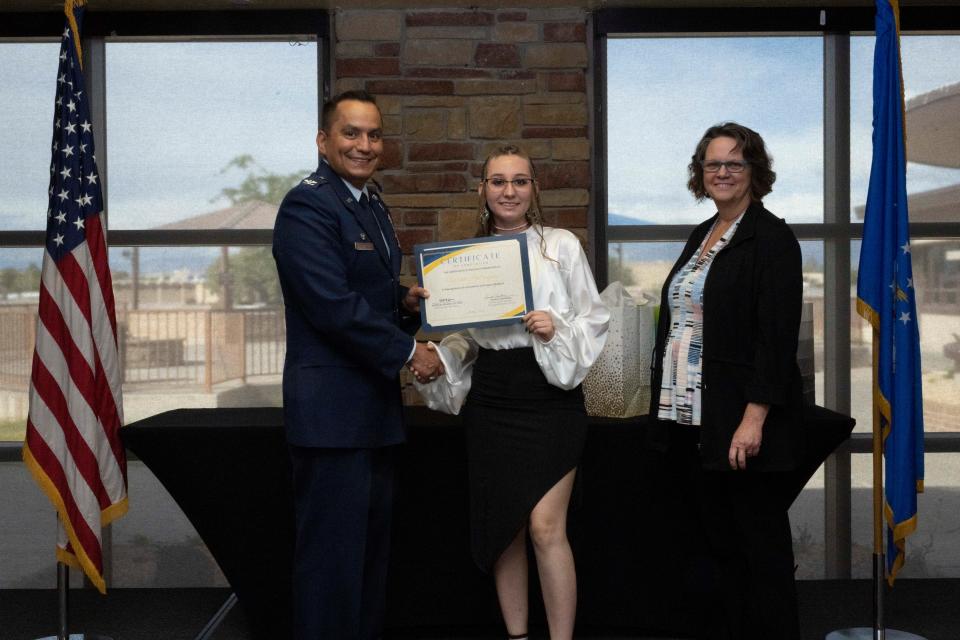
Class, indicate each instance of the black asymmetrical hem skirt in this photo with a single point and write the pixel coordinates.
(523, 436)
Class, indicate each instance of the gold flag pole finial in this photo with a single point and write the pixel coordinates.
(68, 7)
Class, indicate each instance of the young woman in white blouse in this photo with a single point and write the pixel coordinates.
(519, 390)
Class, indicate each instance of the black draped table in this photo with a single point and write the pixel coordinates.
(228, 470)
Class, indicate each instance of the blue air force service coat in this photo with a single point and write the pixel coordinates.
(348, 335)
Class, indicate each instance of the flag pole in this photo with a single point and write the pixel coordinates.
(879, 564)
(63, 608)
(879, 630)
(63, 601)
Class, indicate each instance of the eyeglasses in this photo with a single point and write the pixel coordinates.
(501, 183)
(733, 166)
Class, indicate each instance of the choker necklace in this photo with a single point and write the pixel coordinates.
(519, 226)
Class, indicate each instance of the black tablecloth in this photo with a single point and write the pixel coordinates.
(228, 470)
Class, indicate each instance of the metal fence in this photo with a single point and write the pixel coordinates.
(18, 326)
(175, 347)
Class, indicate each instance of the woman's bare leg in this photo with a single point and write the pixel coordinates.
(558, 576)
(510, 577)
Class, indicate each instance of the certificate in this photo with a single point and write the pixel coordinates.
(480, 282)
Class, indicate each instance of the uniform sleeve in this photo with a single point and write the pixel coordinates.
(581, 330)
(312, 267)
(447, 393)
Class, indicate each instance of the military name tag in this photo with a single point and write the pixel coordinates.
(363, 246)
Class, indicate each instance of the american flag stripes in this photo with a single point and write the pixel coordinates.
(72, 442)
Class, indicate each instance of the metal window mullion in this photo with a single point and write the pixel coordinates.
(836, 295)
(94, 73)
(95, 77)
(595, 81)
(598, 194)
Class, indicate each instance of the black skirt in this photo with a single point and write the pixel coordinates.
(523, 436)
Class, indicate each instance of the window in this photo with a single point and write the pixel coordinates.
(204, 139)
(200, 127)
(931, 84)
(655, 119)
(28, 74)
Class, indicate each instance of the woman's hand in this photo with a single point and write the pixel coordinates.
(540, 324)
(746, 439)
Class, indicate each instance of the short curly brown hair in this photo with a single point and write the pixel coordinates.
(750, 144)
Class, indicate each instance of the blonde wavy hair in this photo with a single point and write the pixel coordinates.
(534, 214)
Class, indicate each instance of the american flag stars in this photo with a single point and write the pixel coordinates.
(74, 183)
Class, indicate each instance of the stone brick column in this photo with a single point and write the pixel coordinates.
(452, 84)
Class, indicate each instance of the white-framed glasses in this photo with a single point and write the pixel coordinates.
(501, 183)
(733, 166)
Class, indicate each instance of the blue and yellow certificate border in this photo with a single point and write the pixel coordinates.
(431, 254)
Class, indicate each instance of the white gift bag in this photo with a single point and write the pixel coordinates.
(618, 385)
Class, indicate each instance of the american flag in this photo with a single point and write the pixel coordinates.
(72, 444)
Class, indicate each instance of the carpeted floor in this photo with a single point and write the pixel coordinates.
(930, 608)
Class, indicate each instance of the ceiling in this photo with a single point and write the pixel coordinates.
(218, 5)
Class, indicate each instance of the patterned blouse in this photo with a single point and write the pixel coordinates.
(682, 365)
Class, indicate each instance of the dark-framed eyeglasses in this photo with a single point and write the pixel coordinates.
(501, 183)
(733, 166)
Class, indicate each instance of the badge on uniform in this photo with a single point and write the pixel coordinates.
(363, 246)
(310, 182)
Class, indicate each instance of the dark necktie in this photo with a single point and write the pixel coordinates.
(365, 203)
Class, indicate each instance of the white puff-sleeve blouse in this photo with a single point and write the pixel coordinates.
(565, 288)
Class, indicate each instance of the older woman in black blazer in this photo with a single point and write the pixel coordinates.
(727, 393)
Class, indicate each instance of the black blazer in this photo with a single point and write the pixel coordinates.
(751, 319)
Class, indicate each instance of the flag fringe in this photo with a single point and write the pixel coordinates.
(78, 559)
(900, 531)
(869, 313)
(68, 7)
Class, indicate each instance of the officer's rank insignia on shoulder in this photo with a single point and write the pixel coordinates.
(314, 180)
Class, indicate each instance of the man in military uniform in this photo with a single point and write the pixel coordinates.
(349, 333)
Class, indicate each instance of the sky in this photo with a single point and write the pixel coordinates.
(176, 115)
(663, 93)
